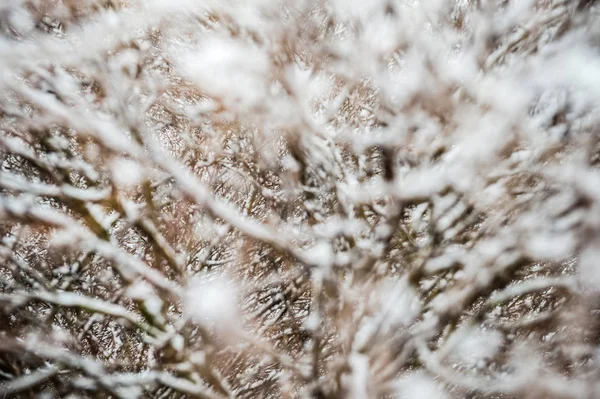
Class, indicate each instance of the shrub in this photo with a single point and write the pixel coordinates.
(327, 199)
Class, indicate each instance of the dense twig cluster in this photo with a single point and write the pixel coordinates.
(324, 199)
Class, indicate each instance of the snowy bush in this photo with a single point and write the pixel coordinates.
(299, 199)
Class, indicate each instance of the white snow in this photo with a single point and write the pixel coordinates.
(212, 300)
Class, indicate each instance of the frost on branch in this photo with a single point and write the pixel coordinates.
(299, 199)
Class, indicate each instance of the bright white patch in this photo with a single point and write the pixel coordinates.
(126, 173)
(356, 8)
(418, 385)
(550, 246)
(472, 346)
(399, 303)
(140, 290)
(589, 268)
(356, 382)
(321, 254)
(229, 71)
(212, 300)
